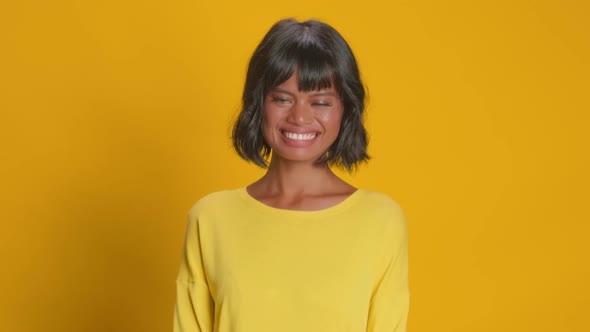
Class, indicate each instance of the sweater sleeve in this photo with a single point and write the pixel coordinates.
(194, 309)
(388, 311)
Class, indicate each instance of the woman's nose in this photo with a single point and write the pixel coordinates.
(300, 114)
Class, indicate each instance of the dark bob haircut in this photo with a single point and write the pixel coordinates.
(320, 56)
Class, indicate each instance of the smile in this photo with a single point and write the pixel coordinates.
(300, 137)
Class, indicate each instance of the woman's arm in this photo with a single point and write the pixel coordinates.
(194, 310)
(390, 302)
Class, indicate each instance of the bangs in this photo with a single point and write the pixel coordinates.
(313, 65)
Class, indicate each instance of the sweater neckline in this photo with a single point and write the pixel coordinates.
(267, 209)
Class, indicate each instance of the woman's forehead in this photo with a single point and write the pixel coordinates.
(297, 83)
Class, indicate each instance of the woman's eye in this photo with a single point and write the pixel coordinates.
(280, 100)
(322, 104)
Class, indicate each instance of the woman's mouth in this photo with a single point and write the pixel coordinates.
(299, 136)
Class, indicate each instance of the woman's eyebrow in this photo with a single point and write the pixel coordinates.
(317, 94)
(325, 93)
(281, 91)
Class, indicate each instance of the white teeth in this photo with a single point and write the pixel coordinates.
(300, 137)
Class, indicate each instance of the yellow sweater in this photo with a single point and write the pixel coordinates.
(248, 267)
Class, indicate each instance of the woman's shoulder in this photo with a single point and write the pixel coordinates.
(382, 209)
(218, 200)
(381, 200)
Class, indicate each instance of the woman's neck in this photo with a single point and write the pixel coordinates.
(300, 186)
(290, 178)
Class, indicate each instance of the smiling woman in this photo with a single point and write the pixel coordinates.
(299, 249)
(317, 59)
(301, 126)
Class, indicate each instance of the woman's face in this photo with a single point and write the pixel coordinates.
(301, 126)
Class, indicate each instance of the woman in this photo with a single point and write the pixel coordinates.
(300, 249)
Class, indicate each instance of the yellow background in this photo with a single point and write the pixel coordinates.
(115, 119)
